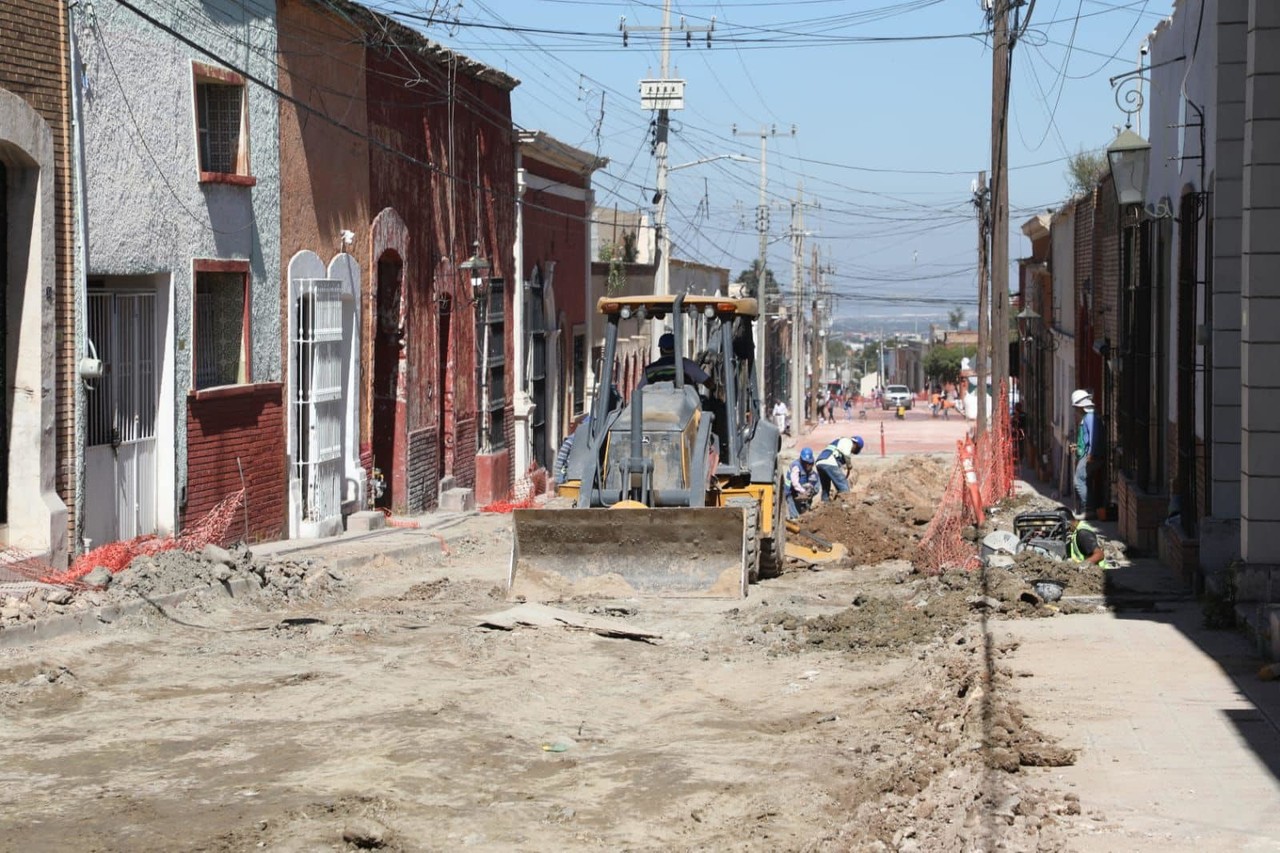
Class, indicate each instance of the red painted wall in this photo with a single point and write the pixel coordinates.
(460, 125)
(245, 423)
(555, 229)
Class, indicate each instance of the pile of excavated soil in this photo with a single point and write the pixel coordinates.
(213, 570)
(884, 519)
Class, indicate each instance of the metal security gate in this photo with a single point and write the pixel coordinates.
(319, 353)
(120, 454)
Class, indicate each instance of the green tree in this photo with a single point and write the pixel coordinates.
(943, 363)
(751, 276)
(1085, 170)
(955, 317)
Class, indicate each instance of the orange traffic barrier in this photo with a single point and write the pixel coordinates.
(971, 480)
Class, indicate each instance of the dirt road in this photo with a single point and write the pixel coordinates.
(857, 707)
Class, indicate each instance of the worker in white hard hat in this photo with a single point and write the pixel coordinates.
(1086, 444)
(834, 464)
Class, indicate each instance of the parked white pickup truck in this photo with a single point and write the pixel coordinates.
(898, 395)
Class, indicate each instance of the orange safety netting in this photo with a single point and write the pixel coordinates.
(994, 459)
(944, 545)
(116, 556)
(523, 495)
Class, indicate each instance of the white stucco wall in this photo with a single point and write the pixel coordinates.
(1175, 147)
(147, 212)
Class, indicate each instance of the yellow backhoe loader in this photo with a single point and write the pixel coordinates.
(676, 492)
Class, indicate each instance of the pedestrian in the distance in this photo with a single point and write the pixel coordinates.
(1086, 444)
(780, 414)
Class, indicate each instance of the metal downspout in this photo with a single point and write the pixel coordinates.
(80, 270)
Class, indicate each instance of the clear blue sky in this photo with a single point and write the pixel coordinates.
(890, 98)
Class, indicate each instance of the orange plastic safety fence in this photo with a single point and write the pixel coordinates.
(994, 462)
(214, 528)
(523, 495)
(943, 545)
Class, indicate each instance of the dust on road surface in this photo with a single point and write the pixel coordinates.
(858, 707)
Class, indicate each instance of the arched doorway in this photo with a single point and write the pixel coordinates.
(389, 380)
(35, 516)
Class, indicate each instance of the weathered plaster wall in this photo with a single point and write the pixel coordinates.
(1175, 146)
(147, 212)
(461, 125)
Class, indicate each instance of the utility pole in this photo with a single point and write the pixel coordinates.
(1004, 36)
(815, 334)
(797, 289)
(981, 204)
(663, 94)
(797, 334)
(762, 227)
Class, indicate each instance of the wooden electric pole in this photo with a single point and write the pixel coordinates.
(980, 202)
(1001, 52)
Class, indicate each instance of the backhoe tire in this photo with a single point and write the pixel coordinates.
(751, 509)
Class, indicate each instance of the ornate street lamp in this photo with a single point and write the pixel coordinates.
(1028, 323)
(478, 266)
(1129, 157)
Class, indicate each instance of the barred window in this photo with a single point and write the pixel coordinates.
(219, 125)
(221, 329)
(222, 126)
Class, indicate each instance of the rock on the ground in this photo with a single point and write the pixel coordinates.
(365, 834)
(217, 554)
(61, 595)
(99, 577)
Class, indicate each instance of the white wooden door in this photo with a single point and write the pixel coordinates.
(120, 452)
(319, 358)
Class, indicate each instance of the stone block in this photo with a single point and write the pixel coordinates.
(366, 520)
(446, 483)
(457, 500)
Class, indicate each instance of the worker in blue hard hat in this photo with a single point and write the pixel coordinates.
(802, 484)
(835, 463)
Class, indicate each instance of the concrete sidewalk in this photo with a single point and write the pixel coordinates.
(1179, 739)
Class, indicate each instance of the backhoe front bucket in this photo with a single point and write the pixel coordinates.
(624, 553)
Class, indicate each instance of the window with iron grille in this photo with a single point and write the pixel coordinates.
(579, 373)
(221, 331)
(221, 125)
(493, 386)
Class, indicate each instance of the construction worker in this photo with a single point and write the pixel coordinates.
(834, 464)
(560, 472)
(663, 368)
(1085, 448)
(1083, 543)
(802, 484)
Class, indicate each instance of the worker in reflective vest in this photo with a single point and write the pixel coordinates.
(1083, 543)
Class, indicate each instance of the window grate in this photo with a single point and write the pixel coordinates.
(220, 329)
(220, 107)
